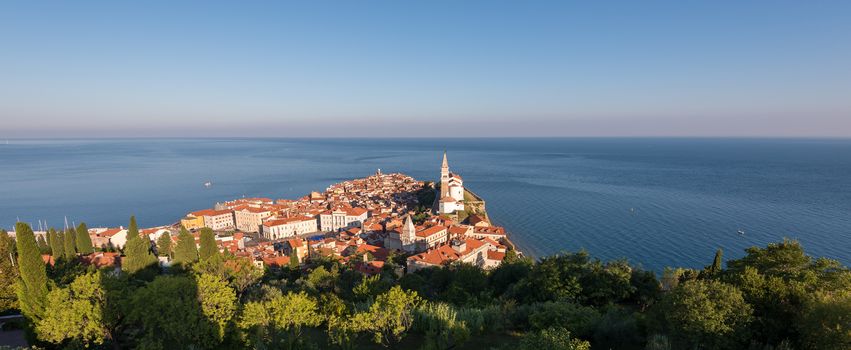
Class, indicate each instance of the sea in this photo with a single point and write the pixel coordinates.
(657, 202)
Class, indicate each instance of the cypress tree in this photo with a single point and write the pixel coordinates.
(185, 252)
(208, 244)
(57, 249)
(716, 263)
(164, 244)
(294, 264)
(84, 242)
(137, 251)
(8, 273)
(43, 247)
(32, 286)
(70, 244)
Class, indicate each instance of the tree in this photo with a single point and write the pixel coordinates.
(69, 244)
(164, 245)
(826, 323)
(32, 286)
(186, 251)
(441, 326)
(716, 263)
(43, 247)
(218, 302)
(76, 313)
(707, 313)
(138, 257)
(168, 312)
(390, 316)
(555, 338)
(8, 273)
(84, 242)
(57, 246)
(208, 244)
(280, 319)
(294, 263)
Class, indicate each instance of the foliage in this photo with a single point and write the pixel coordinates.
(168, 311)
(164, 245)
(57, 247)
(218, 302)
(826, 321)
(76, 313)
(441, 326)
(390, 316)
(208, 247)
(554, 339)
(32, 285)
(83, 241)
(8, 273)
(138, 259)
(70, 244)
(278, 322)
(186, 252)
(706, 313)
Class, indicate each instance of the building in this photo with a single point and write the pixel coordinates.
(451, 190)
(431, 237)
(108, 237)
(288, 227)
(404, 239)
(218, 220)
(192, 222)
(342, 219)
(484, 253)
(249, 219)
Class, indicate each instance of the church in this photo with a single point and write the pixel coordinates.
(451, 190)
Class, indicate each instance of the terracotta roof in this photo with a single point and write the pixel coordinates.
(110, 232)
(278, 222)
(431, 231)
(495, 255)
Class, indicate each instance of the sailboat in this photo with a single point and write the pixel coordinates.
(208, 184)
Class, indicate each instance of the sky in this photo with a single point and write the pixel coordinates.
(425, 68)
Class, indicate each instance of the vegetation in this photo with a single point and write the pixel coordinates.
(774, 297)
(84, 242)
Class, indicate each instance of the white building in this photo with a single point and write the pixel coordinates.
(249, 219)
(484, 253)
(288, 227)
(218, 220)
(342, 219)
(404, 239)
(451, 190)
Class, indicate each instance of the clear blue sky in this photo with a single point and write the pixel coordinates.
(425, 68)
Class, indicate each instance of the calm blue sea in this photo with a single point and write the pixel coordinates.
(657, 202)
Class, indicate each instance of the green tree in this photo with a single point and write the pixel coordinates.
(716, 263)
(278, 322)
(167, 312)
(826, 322)
(8, 273)
(186, 252)
(164, 245)
(138, 257)
(707, 313)
(218, 302)
(84, 242)
(555, 338)
(294, 263)
(32, 286)
(441, 326)
(57, 246)
(76, 313)
(390, 316)
(69, 244)
(43, 246)
(208, 247)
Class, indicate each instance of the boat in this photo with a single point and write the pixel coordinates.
(741, 232)
(208, 184)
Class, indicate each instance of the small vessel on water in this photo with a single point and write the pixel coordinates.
(208, 184)
(741, 232)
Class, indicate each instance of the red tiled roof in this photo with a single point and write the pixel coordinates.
(278, 222)
(431, 231)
